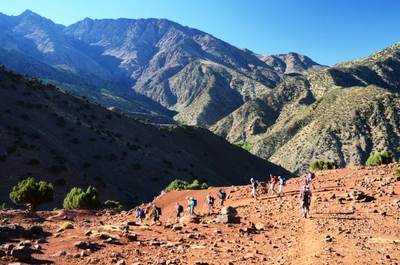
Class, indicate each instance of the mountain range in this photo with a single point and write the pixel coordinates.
(290, 109)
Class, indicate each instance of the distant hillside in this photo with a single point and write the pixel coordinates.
(70, 142)
(342, 114)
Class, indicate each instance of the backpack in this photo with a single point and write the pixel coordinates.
(211, 200)
(222, 195)
(313, 175)
(255, 183)
(194, 202)
(180, 208)
(158, 209)
(304, 196)
(141, 213)
(283, 181)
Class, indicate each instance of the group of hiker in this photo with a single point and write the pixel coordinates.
(192, 203)
(305, 198)
(305, 192)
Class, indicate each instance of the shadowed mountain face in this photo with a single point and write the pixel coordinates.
(70, 142)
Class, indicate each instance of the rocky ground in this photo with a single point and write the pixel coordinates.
(342, 229)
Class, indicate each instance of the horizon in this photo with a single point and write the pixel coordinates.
(328, 32)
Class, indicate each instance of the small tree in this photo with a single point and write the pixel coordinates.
(79, 199)
(113, 205)
(32, 193)
(322, 165)
(378, 159)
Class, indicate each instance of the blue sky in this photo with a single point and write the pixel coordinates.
(327, 31)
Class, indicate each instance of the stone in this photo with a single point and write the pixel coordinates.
(23, 254)
(228, 210)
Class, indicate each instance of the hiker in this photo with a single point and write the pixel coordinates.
(189, 204)
(254, 184)
(281, 182)
(156, 214)
(306, 180)
(222, 197)
(273, 180)
(210, 203)
(179, 209)
(305, 201)
(140, 215)
(311, 177)
(193, 203)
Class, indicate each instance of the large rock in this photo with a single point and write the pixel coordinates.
(189, 219)
(228, 210)
(22, 254)
(357, 195)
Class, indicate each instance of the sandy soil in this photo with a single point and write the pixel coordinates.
(341, 230)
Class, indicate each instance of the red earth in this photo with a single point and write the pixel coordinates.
(270, 230)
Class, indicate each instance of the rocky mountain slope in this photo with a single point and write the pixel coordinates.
(343, 229)
(68, 141)
(183, 69)
(342, 114)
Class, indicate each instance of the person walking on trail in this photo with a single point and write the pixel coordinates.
(273, 180)
(222, 197)
(254, 184)
(193, 204)
(156, 214)
(281, 182)
(305, 201)
(140, 215)
(189, 204)
(179, 209)
(210, 203)
(311, 177)
(306, 180)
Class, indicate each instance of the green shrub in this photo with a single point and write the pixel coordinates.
(4, 206)
(32, 193)
(79, 199)
(322, 165)
(245, 145)
(378, 159)
(398, 171)
(178, 184)
(113, 205)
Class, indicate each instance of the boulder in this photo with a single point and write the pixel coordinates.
(189, 219)
(357, 195)
(228, 210)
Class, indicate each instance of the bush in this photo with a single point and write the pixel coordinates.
(113, 205)
(184, 185)
(79, 199)
(378, 159)
(322, 165)
(32, 193)
(244, 145)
